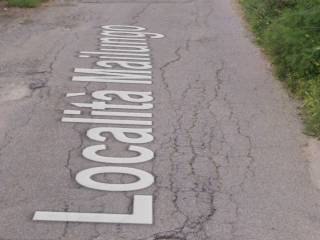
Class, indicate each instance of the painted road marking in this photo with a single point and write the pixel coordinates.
(124, 57)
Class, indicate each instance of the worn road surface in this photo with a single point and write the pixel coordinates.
(229, 161)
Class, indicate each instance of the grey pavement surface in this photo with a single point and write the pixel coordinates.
(229, 160)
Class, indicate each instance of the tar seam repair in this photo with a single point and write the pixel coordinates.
(123, 58)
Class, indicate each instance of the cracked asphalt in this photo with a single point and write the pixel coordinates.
(229, 159)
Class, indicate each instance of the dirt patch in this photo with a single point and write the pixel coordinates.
(3, 5)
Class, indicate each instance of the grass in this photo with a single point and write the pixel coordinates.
(289, 31)
(24, 3)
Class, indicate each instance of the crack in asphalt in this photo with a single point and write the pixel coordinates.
(205, 139)
(137, 16)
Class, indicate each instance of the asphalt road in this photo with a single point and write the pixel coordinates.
(228, 144)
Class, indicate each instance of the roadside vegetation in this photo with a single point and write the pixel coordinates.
(24, 3)
(289, 31)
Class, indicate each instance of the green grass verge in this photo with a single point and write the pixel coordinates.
(289, 31)
(24, 3)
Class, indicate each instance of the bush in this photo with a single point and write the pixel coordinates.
(293, 40)
(24, 3)
(289, 30)
(261, 13)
